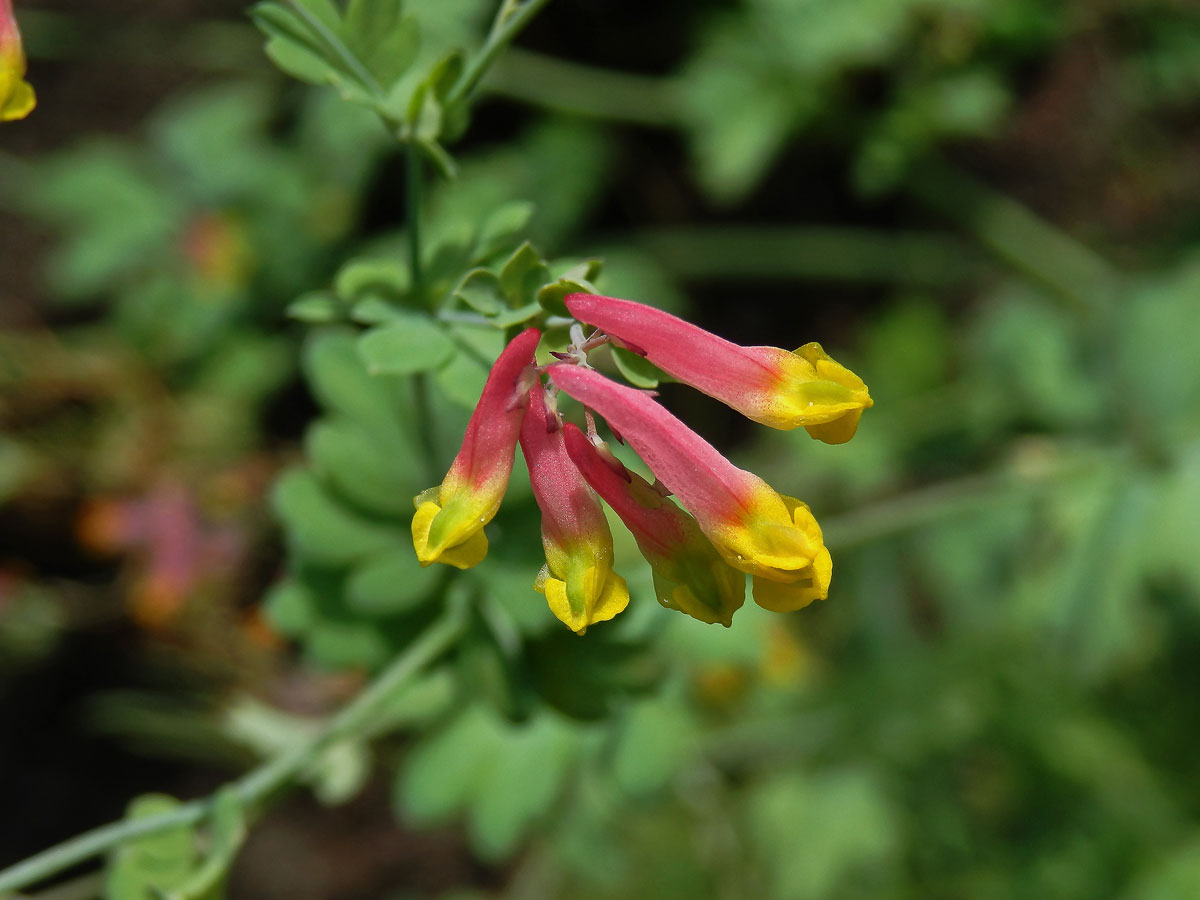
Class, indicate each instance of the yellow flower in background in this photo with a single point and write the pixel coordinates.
(16, 95)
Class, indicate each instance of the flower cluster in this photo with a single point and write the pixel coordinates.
(728, 522)
(16, 96)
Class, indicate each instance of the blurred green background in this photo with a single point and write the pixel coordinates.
(989, 209)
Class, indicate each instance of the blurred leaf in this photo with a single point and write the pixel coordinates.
(659, 740)
(504, 777)
(405, 347)
(374, 477)
(365, 276)
(853, 840)
(481, 290)
(391, 583)
(1172, 874)
(315, 307)
(148, 867)
(382, 37)
(322, 530)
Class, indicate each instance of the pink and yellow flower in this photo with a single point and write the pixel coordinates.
(754, 529)
(448, 524)
(689, 575)
(767, 384)
(578, 581)
(16, 95)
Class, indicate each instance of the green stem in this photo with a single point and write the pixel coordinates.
(1043, 253)
(567, 87)
(850, 254)
(412, 214)
(259, 785)
(511, 18)
(928, 506)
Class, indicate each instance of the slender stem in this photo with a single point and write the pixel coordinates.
(1039, 250)
(259, 785)
(818, 252)
(511, 18)
(563, 86)
(927, 506)
(412, 213)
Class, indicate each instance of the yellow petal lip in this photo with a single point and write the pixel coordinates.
(465, 552)
(813, 584)
(606, 592)
(17, 98)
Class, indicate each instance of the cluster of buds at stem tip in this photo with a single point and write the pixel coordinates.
(16, 96)
(728, 523)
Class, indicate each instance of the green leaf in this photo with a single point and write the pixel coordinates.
(855, 843)
(374, 310)
(638, 370)
(324, 11)
(374, 477)
(442, 772)
(658, 741)
(517, 316)
(340, 381)
(481, 290)
(226, 833)
(523, 274)
(147, 867)
(384, 39)
(522, 782)
(462, 380)
(315, 307)
(502, 227)
(342, 645)
(362, 276)
(552, 296)
(390, 584)
(290, 607)
(322, 530)
(300, 62)
(406, 347)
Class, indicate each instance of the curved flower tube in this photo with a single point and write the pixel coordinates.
(578, 581)
(16, 95)
(689, 575)
(448, 524)
(753, 528)
(767, 384)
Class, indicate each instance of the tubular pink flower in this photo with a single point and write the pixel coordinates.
(689, 575)
(752, 527)
(578, 581)
(771, 386)
(448, 524)
(16, 95)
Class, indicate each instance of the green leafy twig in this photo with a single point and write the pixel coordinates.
(510, 19)
(258, 786)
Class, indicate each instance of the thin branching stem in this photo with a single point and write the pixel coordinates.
(258, 786)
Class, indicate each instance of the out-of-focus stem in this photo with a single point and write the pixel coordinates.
(1045, 254)
(261, 784)
(850, 254)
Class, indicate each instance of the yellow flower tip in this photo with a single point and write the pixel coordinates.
(458, 550)
(812, 584)
(823, 396)
(17, 98)
(837, 431)
(775, 541)
(599, 595)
